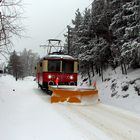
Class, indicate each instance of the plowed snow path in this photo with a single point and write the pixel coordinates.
(27, 114)
(102, 120)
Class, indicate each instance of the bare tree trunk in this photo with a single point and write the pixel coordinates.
(125, 69)
(96, 68)
(122, 68)
(102, 73)
(92, 68)
(99, 70)
(89, 77)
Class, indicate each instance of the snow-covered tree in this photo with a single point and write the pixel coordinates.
(23, 65)
(107, 34)
(74, 34)
(15, 66)
(126, 30)
(29, 61)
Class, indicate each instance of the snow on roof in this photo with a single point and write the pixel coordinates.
(60, 56)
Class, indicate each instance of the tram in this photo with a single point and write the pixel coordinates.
(64, 68)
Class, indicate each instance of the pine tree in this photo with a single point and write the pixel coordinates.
(126, 30)
(75, 33)
(108, 33)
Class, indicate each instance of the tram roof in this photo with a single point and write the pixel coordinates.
(52, 56)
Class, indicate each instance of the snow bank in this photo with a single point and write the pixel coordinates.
(118, 90)
(29, 78)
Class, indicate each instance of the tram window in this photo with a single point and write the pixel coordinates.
(54, 65)
(41, 64)
(68, 66)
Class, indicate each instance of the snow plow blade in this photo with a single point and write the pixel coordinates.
(73, 94)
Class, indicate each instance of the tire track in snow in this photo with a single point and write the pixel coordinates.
(116, 114)
(89, 130)
(120, 112)
(123, 127)
(113, 123)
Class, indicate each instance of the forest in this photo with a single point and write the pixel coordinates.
(107, 34)
(22, 64)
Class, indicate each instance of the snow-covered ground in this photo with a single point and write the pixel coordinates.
(119, 90)
(27, 114)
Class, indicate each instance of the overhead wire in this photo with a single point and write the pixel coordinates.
(65, 28)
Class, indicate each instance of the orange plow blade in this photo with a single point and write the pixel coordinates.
(72, 95)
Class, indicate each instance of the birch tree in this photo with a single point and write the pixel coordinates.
(10, 23)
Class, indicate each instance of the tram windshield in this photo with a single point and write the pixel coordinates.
(54, 65)
(67, 66)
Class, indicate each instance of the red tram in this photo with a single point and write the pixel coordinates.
(61, 67)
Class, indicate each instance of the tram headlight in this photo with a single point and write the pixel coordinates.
(71, 77)
(49, 76)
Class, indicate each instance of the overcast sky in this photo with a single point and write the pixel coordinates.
(45, 19)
